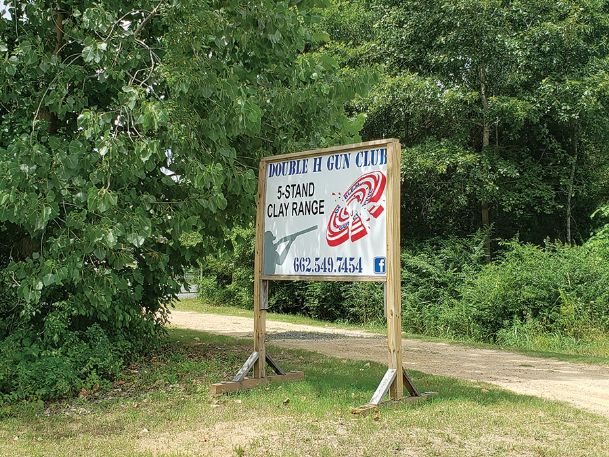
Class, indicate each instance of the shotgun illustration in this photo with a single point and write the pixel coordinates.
(293, 236)
(272, 257)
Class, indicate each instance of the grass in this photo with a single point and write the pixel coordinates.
(594, 352)
(161, 407)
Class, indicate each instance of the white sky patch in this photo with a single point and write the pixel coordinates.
(4, 13)
(167, 171)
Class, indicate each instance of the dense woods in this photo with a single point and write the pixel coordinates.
(501, 108)
(130, 134)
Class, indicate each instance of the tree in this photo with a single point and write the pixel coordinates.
(128, 135)
(479, 91)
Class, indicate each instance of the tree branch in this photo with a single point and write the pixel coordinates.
(147, 18)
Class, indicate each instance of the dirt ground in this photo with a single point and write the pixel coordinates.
(582, 385)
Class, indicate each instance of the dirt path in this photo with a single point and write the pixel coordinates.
(585, 386)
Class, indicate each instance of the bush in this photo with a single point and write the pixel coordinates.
(111, 186)
(555, 289)
(228, 280)
(31, 369)
(555, 295)
(432, 274)
(228, 274)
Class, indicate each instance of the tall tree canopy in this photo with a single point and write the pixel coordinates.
(128, 135)
(502, 107)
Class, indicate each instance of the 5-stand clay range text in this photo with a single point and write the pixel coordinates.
(302, 195)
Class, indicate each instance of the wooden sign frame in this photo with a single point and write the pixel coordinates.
(395, 378)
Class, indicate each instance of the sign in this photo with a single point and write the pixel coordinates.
(329, 214)
(325, 214)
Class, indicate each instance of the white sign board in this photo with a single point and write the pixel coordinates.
(329, 215)
(325, 215)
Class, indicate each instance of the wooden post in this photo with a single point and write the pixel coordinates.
(260, 307)
(393, 286)
(260, 286)
(258, 359)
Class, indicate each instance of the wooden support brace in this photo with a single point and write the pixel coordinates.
(241, 382)
(249, 383)
(412, 390)
(387, 383)
(383, 387)
(368, 408)
(276, 368)
(247, 366)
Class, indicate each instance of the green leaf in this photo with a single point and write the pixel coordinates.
(135, 239)
(48, 279)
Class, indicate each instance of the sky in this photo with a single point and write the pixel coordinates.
(3, 10)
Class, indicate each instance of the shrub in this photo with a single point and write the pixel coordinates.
(32, 369)
(556, 288)
(553, 295)
(432, 274)
(111, 186)
(228, 274)
(364, 302)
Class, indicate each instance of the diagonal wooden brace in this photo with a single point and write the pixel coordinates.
(383, 387)
(412, 390)
(247, 366)
(276, 368)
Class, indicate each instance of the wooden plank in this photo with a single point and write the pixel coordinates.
(385, 301)
(393, 295)
(412, 390)
(383, 387)
(378, 278)
(260, 289)
(276, 368)
(264, 295)
(250, 383)
(328, 151)
(365, 409)
(247, 366)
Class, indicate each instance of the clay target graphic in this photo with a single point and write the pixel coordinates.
(361, 200)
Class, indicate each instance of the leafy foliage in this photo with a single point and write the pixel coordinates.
(506, 106)
(560, 288)
(555, 295)
(432, 276)
(129, 136)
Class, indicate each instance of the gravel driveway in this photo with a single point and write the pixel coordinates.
(585, 386)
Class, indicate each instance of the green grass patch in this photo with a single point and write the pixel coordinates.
(161, 406)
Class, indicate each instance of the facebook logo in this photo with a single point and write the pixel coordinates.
(379, 265)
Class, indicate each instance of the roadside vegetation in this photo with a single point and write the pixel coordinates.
(160, 406)
(595, 353)
(503, 119)
(131, 133)
(550, 299)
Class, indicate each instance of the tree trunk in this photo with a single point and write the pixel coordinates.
(571, 185)
(486, 135)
